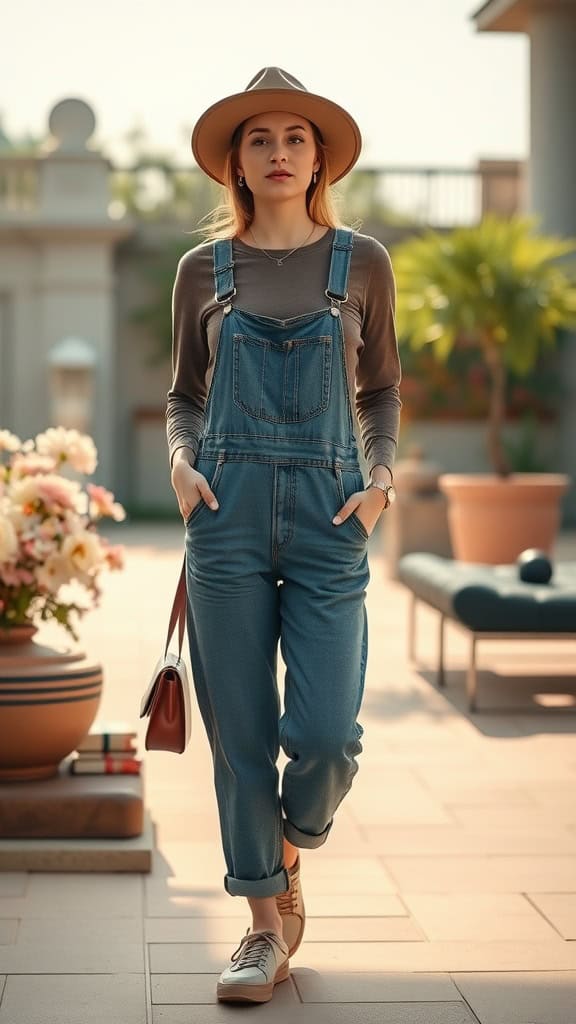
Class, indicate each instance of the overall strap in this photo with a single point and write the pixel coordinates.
(223, 270)
(340, 264)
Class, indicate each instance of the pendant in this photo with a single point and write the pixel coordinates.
(280, 262)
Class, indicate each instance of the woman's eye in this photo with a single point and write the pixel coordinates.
(293, 138)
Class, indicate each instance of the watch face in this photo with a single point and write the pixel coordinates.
(391, 492)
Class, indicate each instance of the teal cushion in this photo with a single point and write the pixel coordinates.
(492, 598)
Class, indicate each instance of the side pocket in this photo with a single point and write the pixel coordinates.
(213, 481)
(352, 518)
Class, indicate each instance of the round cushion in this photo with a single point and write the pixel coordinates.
(534, 566)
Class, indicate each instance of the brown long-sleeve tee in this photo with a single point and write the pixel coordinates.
(263, 287)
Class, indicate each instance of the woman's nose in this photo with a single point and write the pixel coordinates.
(278, 152)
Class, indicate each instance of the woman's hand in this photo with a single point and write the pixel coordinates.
(191, 487)
(368, 506)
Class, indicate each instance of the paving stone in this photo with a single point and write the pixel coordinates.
(482, 917)
(367, 987)
(363, 929)
(478, 836)
(405, 803)
(535, 997)
(82, 895)
(509, 818)
(196, 929)
(340, 903)
(74, 999)
(559, 908)
(346, 1013)
(483, 874)
(511, 955)
(13, 883)
(201, 989)
(89, 954)
(8, 931)
(169, 897)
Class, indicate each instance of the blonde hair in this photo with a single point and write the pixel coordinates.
(236, 212)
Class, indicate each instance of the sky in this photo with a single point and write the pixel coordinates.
(425, 87)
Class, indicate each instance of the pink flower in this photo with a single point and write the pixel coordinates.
(15, 576)
(29, 465)
(49, 541)
(102, 503)
(8, 539)
(114, 556)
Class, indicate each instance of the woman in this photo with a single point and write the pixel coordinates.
(273, 325)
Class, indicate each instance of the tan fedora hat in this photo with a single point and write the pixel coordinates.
(275, 89)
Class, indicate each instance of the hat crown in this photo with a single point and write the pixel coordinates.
(274, 78)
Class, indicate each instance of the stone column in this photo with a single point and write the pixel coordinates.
(66, 284)
(552, 178)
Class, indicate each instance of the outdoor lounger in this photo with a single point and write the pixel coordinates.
(490, 602)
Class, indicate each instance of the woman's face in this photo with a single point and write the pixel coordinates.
(277, 155)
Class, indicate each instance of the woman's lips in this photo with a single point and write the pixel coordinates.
(280, 176)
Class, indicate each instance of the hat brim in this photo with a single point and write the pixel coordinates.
(213, 131)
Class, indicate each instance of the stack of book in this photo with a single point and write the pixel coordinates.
(109, 748)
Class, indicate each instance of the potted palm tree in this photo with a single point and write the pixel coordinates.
(508, 291)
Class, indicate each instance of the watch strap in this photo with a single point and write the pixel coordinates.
(381, 487)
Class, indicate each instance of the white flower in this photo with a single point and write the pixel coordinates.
(83, 551)
(30, 463)
(55, 491)
(9, 442)
(69, 446)
(53, 573)
(8, 539)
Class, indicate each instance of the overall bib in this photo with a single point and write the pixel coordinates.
(269, 567)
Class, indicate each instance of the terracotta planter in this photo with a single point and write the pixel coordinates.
(49, 698)
(18, 634)
(492, 519)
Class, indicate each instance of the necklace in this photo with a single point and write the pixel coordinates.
(283, 258)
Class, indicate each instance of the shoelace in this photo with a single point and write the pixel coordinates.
(253, 950)
(287, 901)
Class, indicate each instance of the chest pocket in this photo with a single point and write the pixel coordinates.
(282, 381)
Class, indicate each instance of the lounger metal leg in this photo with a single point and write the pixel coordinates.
(472, 677)
(412, 629)
(441, 678)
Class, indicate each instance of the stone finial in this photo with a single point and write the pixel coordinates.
(71, 123)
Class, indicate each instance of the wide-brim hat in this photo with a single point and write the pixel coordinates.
(275, 89)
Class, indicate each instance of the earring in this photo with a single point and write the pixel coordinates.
(240, 181)
(314, 177)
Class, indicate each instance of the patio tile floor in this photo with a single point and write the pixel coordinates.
(446, 893)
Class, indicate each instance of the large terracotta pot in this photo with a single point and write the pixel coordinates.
(493, 519)
(49, 698)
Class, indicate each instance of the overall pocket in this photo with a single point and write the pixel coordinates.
(282, 381)
(356, 484)
(212, 480)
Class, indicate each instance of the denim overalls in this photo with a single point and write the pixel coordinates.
(269, 566)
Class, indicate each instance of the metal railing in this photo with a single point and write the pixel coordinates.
(394, 195)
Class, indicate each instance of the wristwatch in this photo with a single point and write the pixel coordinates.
(388, 490)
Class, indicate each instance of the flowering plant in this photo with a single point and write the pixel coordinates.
(49, 539)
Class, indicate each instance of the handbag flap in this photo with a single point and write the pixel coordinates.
(168, 661)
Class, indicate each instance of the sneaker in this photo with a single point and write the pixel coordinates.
(291, 907)
(259, 963)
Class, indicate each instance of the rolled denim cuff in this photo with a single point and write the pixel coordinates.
(307, 840)
(259, 887)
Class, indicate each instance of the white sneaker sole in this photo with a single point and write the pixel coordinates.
(239, 993)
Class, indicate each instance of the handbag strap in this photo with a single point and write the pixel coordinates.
(178, 613)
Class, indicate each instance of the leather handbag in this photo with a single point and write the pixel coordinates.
(166, 701)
